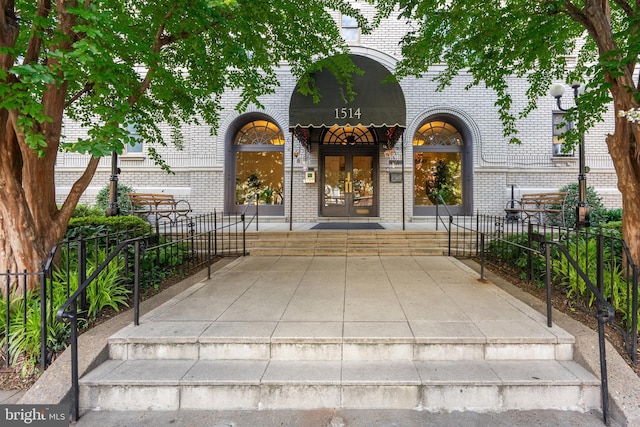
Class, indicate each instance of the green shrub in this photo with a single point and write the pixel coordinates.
(92, 225)
(511, 253)
(614, 215)
(108, 290)
(598, 213)
(583, 251)
(615, 226)
(86, 210)
(102, 199)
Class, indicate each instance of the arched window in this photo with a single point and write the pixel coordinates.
(438, 149)
(259, 165)
(347, 135)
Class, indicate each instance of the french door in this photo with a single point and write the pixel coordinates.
(348, 185)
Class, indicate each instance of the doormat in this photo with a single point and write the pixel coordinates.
(347, 226)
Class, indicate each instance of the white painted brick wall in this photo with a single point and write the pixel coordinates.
(199, 169)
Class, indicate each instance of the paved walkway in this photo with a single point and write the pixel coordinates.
(348, 296)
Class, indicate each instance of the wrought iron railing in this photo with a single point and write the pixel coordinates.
(141, 259)
(595, 266)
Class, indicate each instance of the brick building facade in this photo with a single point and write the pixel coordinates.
(207, 169)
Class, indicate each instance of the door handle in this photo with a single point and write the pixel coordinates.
(348, 185)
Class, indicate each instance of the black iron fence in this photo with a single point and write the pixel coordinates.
(518, 248)
(594, 268)
(98, 272)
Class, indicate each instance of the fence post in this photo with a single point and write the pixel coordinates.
(210, 260)
(529, 253)
(481, 257)
(244, 247)
(43, 318)
(7, 319)
(600, 304)
(215, 233)
(599, 261)
(82, 270)
(634, 315)
(75, 392)
(136, 283)
(477, 229)
(450, 227)
(547, 281)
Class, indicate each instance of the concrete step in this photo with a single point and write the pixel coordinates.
(174, 343)
(272, 384)
(348, 242)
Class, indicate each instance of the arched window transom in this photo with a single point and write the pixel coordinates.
(437, 133)
(259, 132)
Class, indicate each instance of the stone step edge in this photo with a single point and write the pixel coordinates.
(525, 377)
(518, 388)
(338, 351)
(553, 340)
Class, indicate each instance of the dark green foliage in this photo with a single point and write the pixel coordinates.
(86, 210)
(514, 253)
(598, 213)
(584, 250)
(108, 290)
(614, 226)
(613, 215)
(102, 199)
(92, 225)
(510, 253)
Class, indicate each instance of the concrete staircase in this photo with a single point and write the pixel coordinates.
(255, 372)
(322, 372)
(355, 332)
(343, 242)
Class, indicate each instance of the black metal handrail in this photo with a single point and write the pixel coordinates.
(68, 313)
(189, 243)
(246, 223)
(605, 311)
(438, 217)
(498, 229)
(255, 214)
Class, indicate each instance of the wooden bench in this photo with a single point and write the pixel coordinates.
(158, 206)
(539, 207)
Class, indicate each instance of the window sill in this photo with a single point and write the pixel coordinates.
(564, 160)
(133, 157)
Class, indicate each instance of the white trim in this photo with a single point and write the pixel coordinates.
(377, 55)
(419, 119)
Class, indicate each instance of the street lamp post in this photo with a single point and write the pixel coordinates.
(582, 210)
(113, 209)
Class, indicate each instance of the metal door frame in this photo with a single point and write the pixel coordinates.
(349, 152)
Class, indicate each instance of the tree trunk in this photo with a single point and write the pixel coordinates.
(624, 153)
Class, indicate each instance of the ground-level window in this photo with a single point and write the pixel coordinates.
(438, 149)
(259, 164)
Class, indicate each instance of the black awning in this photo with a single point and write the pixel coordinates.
(378, 102)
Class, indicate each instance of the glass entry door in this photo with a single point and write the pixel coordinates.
(349, 184)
